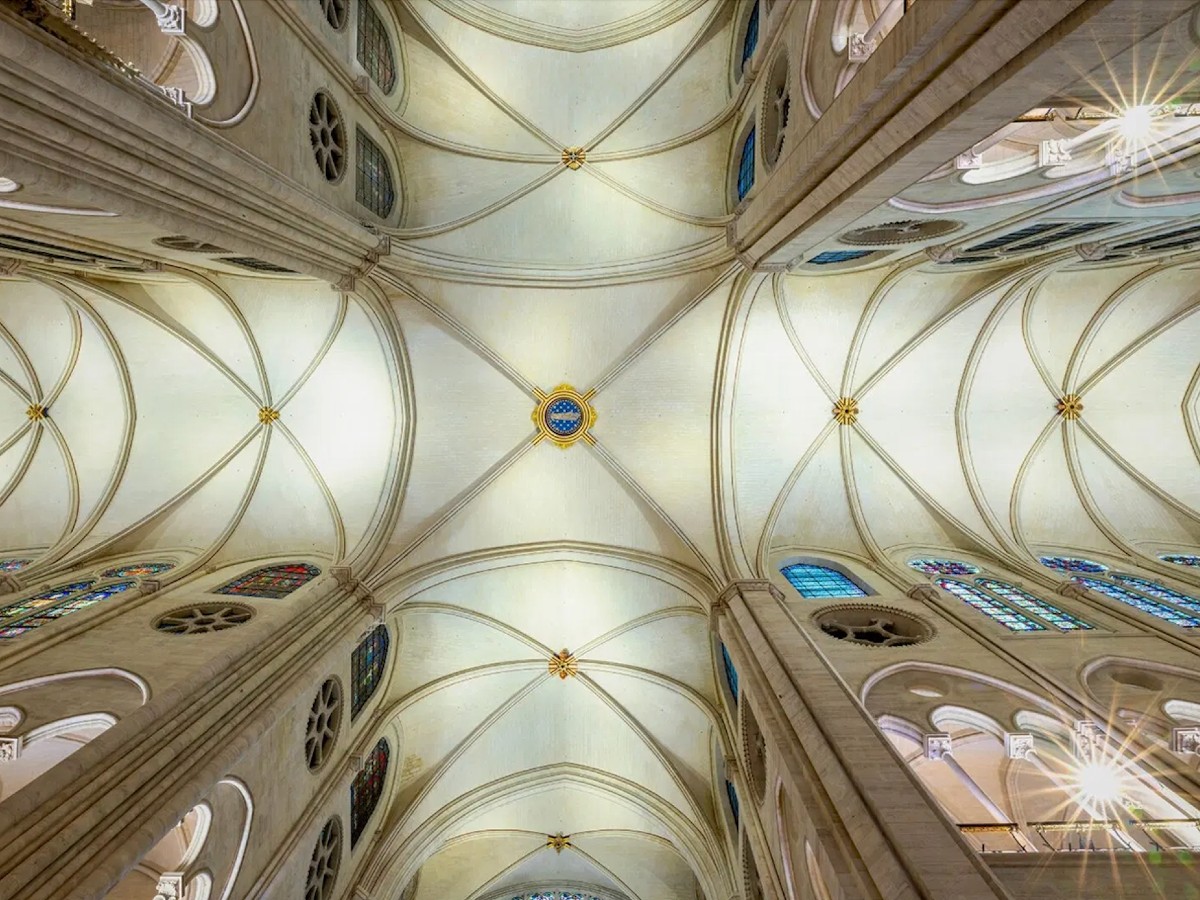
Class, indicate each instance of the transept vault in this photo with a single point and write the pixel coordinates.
(599, 449)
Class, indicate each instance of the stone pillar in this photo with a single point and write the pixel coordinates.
(867, 804)
(78, 828)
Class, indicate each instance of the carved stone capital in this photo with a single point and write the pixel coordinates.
(10, 748)
(170, 886)
(1185, 741)
(347, 284)
(1119, 162)
(9, 583)
(858, 48)
(1072, 590)
(362, 84)
(1091, 251)
(171, 19)
(968, 160)
(1053, 153)
(739, 587)
(942, 254)
(1089, 738)
(926, 593)
(10, 266)
(1018, 745)
(149, 586)
(937, 745)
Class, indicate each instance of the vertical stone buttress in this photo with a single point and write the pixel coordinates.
(872, 817)
(77, 829)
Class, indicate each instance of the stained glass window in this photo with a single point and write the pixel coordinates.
(138, 570)
(29, 604)
(943, 567)
(366, 789)
(730, 672)
(13, 565)
(1137, 601)
(989, 606)
(731, 792)
(818, 581)
(1073, 564)
(1182, 559)
(375, 47)
(1158, 591)
(1063, 621)
(750, 41)
(828, 257)
(366, 668)
(745, 179)
(373, 187)
(270, 582)
(33, 612)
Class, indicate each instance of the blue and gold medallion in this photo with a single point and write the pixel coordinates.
(563, 416)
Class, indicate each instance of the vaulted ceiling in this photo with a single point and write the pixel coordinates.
(404, 444)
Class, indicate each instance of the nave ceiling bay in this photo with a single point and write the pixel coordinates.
(217, 418)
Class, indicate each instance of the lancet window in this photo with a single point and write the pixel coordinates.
(1158, 591)
(33, 612)
(731, 675)
(745, 178)
(818, 581)
(367, 788)
(734, 806)
(1182, 559)
(13, 565)
(366, 668)
(375, 47)
(270, 582)
(1139, 602)
(373, 186)
(750, 41)
(1073, 564)
(1026, 601)
(989, 606)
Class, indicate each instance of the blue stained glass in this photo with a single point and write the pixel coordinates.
(828, 257)
(989, 606)
(750, 41)
(731, 793)
(943, 567)
(13, 565)
(366, 668)
(1158, 591)
(745, 179)
(1182, 559)
(1073, 564)
(1063, 621)
(1137, 601)
(731, 677)
(366, 789)
(818, 581)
